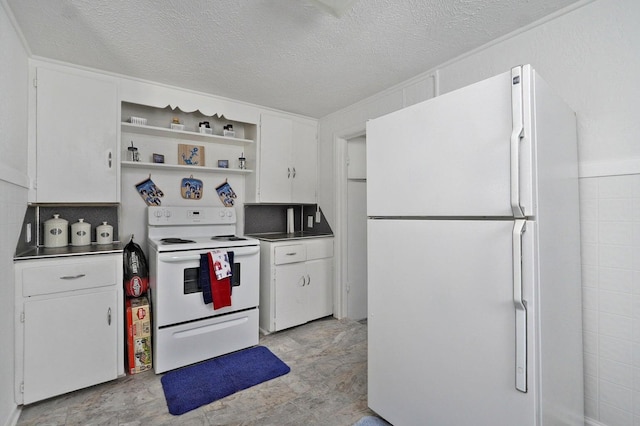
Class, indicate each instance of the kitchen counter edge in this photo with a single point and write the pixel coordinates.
(283, 236)
(46, 253)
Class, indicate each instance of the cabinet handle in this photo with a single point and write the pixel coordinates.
(288, 172)
(308, 280)
(109, 316)
(294, 172)
(303, 281)
(72, 277)
(292, 254)
(110, 157)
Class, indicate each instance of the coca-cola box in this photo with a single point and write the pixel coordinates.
(138, 335)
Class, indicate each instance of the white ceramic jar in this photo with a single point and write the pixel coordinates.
(104, 234)
(56, 232)
(81, 233)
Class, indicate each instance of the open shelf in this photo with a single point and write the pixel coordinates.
(164, 166)
(181, 134)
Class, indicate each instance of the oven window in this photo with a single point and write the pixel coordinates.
(192, 279)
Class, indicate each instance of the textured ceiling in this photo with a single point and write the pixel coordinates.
(294, 55)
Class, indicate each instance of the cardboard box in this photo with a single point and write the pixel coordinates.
(138, 335)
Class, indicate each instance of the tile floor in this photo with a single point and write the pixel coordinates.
(327, 385)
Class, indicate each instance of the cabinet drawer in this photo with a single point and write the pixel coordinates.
(68, 276)
(289, 254)
(319, 248)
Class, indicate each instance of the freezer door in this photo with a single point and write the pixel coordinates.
(442, 326)
(451, 155)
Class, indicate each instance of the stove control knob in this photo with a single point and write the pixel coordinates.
(158, 213)
(221, 213)
(167, 213)
(229, 213)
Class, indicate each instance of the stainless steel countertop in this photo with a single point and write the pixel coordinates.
(283, 236)
(43, 252)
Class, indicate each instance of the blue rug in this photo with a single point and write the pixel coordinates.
(191, 387)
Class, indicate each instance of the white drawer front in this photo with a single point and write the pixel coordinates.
(68, 276)
(319, 248)
(290, 254)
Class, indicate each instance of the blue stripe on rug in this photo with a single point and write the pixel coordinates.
(191, 387)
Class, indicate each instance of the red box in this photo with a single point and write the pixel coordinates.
(138, 335)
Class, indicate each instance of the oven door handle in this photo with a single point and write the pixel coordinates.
(237, 252)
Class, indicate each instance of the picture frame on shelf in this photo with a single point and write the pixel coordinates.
(158, 158)
(223, 164)
(190, 155)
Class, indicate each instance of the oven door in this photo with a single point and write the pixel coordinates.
(175, 286)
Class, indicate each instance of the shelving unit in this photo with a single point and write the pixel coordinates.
(154, 137)
(164, 166)
(181, 134)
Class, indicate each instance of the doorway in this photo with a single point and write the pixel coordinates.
(356, 253)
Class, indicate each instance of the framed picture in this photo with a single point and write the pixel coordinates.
(223, 164)
(158, 158)
(190, 155)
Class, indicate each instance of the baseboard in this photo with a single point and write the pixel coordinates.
(14, 415)
(590, 422)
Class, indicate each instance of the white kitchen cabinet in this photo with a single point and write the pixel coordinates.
(76, 137)
(288, 160)
(295, 282)
(69, 324)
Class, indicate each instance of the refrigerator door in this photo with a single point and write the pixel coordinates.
(451, 155)
(442, 325)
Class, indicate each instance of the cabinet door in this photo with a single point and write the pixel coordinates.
(275, 158)
(291, 295)
(69, 343)
(76, 131)
(304, 161)
(319, 288)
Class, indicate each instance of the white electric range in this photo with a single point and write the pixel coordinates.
(185, 329)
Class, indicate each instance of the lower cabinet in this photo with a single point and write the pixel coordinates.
(69, 324)
(296, 284)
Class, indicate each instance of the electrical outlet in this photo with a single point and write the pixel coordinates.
(27, 233)
(310, 221)
(318, 216)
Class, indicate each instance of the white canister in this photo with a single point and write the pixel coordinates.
(81, 233)
(56, 232)
(104, 234)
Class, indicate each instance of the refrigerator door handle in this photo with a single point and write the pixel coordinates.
(517, 118)
(520, 308)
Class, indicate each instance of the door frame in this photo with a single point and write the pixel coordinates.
(340, 140)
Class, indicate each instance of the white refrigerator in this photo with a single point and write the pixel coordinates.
(474, 292)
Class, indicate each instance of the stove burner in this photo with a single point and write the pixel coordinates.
(228, 238)
(176, 241)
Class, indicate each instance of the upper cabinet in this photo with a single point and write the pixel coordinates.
(76, 137)
(288, 160)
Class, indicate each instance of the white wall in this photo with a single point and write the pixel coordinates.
(591, 56)
(13, 192)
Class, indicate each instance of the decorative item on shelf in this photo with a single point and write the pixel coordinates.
(104, 234)
(149, 192)
(81, 233)
(226, 194)
(242, 162)
(223, 164)
(138, 120)
(228, 131)
(204, 128)
(134, 155)
(191, 188)
(158, 158)
(56, 232)
(190, 155)
(175, 124)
